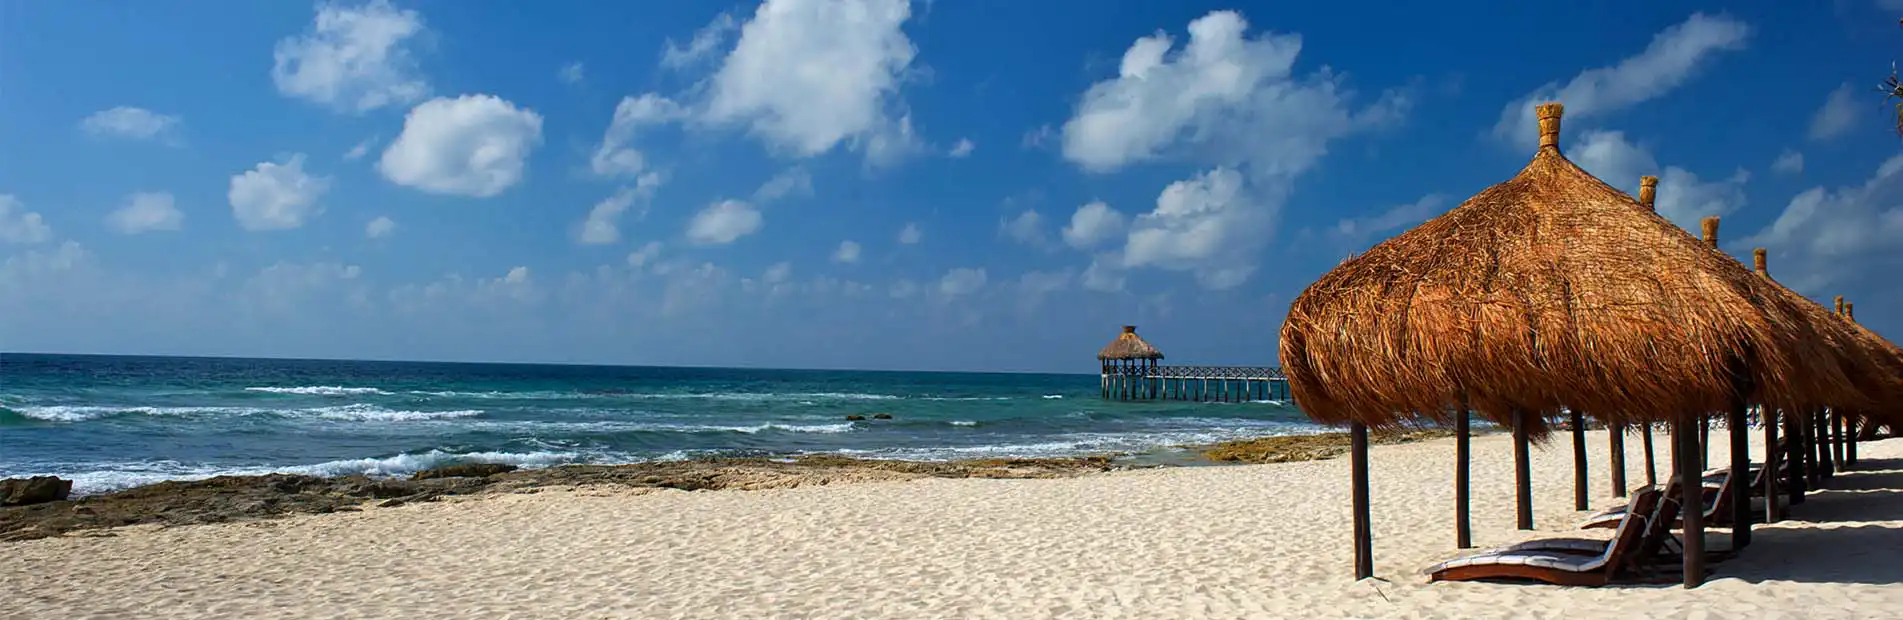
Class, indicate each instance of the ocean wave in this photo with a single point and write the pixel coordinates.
(373, 413)
(82, 413)
(1052, 397)
(964, 422)
(320, 390)
(98, 478)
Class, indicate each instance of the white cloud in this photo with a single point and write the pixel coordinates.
(146, 212)
(1825, 238)
(645, 255)
(1105, 274)
(129, 122)
(1788, 162)
(911, 234)
(1837, 116)
(1682, 197)
(903, 289)
(961, 281)
(18, 225)
(769, 82)
(571, 73)
(289, 288)
(1360, 229)
(777, 273)
(603, 225)
(379, 228)
(352, 59)
(963, 148)
(706, 41)
(1027, 228)
(1224, 100)
(1194, 228)
(1668, 62)
(723, 222)
(1092, 225)
(616, 157)
(473, 145)
(848, 252)
(276, 196)
(793, 181)
(362, 148)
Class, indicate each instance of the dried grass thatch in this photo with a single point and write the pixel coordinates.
(1871, 369)
(1129, 346)
(1549, 290)
(1889, 358)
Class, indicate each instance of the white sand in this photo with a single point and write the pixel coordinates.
(1267, 541)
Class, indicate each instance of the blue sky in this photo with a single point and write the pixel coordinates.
(866, 183)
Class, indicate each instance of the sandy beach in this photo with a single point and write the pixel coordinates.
(1256, 541)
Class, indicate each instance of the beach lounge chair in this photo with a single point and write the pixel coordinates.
(1558, 568)
(1658, 529)
(1717, 494)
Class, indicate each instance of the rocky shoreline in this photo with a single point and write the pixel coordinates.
(239, 498)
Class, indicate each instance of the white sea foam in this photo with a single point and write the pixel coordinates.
(81, 413)
(319, 390)
(373, 413)
(964, 422)
(1053, 397)
(95, 478)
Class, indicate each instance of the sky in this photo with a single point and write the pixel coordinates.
(937, 184)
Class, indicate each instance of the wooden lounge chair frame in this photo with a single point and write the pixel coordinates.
(1558, 568)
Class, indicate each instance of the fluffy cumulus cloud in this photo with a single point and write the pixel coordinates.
(766, 83)
(617, 155)
(571, 73)
(473, 145)
(1092, 225)
(1228, 101)
(848, 252)
(353, 58)
(911, 234)
(962, 149)
(276, 195)
(146, 212)
(130, 123)
(1672, 58)
(1837, 116)
(793, 181)
(707, 41)
(20, 226)
(645, 254)
(723, 222)
(379, 228)
(1825, 238)
(1026, 228)
(1683, 197)
(961, 281)
(603, 224)
(1788, 162)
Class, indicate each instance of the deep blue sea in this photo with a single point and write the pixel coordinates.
(110, 422)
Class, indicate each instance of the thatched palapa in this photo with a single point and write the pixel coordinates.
(1129, 346)
(1871, 369)
(1549, 290)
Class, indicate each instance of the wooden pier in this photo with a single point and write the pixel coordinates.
(1132, 371)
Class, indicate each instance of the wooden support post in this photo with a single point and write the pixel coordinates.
(1522, 473)
(1826, 465)
(1463, 522)
(1651, 468)
(1740, 469)
(1839, 440)
(1850, 441)
(1615, 435)
(1685, 455)
(1581, 496)
(1364, 531)
(1772, 457)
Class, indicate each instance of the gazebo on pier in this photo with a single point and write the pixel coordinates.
(1129, 366)
(1131, 371)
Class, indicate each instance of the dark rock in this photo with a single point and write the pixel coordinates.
(467, 470)
(35, 490)
(855, 418)
(882, 416)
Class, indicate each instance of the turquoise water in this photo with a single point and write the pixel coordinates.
(110, 422)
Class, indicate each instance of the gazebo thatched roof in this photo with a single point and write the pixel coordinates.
(1889, 359)
(1129, 346)
(1872, 370)
(1549, 290)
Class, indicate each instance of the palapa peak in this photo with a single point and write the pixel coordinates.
(1548, 291)
(1129, 346)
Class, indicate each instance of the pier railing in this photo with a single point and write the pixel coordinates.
(1199, 383)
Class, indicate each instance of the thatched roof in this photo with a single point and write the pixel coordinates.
(1549, 290)
(1872, 370)
(1129, 346)
(1889, 359)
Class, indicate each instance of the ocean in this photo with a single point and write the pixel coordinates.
(111, 422)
